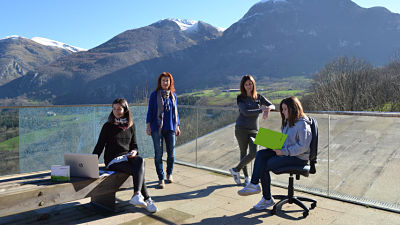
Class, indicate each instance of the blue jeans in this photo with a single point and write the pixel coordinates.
(266, 161)
(169, 137)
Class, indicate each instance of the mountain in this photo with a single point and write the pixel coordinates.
(274, 38)
(69, 75)
(20, 55)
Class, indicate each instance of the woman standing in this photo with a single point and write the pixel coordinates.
(163, 124)
(295, 151)
(250, 106)
(118, 136)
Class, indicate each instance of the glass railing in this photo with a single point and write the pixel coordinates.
(358, 159)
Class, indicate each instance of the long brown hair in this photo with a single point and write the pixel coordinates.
(295, 110)
(171, 86)
(127, 112)
(243, 92)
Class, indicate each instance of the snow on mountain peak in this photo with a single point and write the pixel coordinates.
(11, 37)
(48, 42)
(185, 24)
(190, 25)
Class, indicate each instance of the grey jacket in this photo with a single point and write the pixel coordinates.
(298, 139)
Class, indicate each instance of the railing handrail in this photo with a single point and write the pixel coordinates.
(358, 113)
(350, 113)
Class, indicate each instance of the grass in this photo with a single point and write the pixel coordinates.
(10, 144)
(274, 89)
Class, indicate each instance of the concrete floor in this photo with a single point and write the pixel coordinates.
(202, 197)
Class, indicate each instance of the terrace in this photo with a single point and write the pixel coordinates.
(356, 180)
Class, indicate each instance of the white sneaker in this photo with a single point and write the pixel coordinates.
(250, 189)
(150, 206)
(263, 204)
(138, 200)
(247, 180)
(236, 176)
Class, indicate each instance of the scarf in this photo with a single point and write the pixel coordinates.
(121, 123)
(163, 105)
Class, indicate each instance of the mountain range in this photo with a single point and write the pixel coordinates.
(274, 38)
(19, 55)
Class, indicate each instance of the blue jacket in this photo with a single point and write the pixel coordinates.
(168, 116)
(298, 139)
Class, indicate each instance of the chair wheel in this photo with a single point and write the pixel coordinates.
(313, 205)
(305, 214)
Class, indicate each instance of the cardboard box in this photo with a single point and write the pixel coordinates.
(60, 173)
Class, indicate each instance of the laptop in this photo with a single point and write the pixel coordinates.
(82, 165)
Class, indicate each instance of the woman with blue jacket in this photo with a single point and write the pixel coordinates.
(163, 124)
(294, 152)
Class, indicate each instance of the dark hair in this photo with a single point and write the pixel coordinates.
(243, 92)
(166, 74)
(295, 110)
(127, 112)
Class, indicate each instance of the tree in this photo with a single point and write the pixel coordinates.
(350, 84)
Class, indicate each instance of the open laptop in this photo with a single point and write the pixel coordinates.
(82, 165)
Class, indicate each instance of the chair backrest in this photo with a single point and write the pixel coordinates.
(313, 144)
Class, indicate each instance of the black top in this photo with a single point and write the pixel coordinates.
(116, 141)
(249, 109)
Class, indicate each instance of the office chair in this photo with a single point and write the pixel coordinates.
(300, 171)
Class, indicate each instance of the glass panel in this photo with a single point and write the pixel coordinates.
(185, 150)
(216, 142)
(9, 141)
(145, 143)
(365, 157)
(47, 133)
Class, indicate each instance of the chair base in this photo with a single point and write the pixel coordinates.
(296, 200)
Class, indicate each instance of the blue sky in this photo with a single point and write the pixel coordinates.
(88, 23)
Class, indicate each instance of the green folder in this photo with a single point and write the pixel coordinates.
(270, 139)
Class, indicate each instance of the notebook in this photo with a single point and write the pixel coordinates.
(82, 165)
(270, 139)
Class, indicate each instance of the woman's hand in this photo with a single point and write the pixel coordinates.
(277, 151)
(266, 112)
(148, 129)
(132, 154)
(178, 131)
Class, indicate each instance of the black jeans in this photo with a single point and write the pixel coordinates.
(135, 167)
(243, 138)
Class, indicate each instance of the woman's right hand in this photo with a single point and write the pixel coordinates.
(266, 113)
(148, 129)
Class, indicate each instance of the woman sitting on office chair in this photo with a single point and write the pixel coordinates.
(295, 151)
(118, 136)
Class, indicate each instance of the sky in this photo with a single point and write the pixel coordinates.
(89, 23)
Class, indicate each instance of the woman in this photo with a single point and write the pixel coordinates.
(121, 151)
(163, 124)
(295, 151)
(250, 106)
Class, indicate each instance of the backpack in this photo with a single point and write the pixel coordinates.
(313, 144)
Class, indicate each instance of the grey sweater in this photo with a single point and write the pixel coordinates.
(298, 139)
(249, 110)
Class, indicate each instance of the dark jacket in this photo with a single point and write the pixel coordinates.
(116, 141)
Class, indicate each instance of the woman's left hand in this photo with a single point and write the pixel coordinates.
(178, 131)
(132, 154)
(277, 151)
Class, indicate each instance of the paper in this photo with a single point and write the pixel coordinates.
(104, 173)
(270, 139)
(60, 173)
